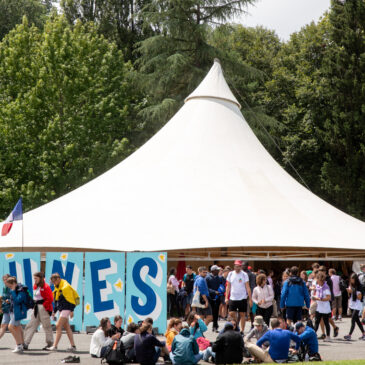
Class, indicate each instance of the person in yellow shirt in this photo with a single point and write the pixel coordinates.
(173, 328)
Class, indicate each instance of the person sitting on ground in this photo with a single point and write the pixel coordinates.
(196, 324)
(228, 347)
(309, 340)
(173, 328)
(117, 326)
(260, 328)
(128, 341)
(185, 349)
(279, 340)
(233, 321)
(100, 339)
(148, 348)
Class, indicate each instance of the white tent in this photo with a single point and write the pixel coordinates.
(203, 181)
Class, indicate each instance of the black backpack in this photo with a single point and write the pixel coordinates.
(115, 354)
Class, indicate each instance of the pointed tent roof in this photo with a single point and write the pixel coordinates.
(204, 180)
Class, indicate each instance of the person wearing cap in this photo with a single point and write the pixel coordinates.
(308, 340)
(238, 290)
(260, 328)
(228, 347)
(216, 290)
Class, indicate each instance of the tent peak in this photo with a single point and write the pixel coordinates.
(214, 86)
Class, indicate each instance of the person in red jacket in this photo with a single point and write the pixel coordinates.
(43, 308)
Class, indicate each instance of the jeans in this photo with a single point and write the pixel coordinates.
(207, 353)
(198, 357)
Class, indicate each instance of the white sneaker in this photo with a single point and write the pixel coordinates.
(327, 339)
(18, 349)
(52, 348)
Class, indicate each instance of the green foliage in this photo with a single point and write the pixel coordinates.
(117, 20)
(66, 110)
(12, 12)
(174, 60)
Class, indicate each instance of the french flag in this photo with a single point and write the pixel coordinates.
(15, 215)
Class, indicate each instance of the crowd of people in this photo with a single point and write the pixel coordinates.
(16, 300)
(284, 315)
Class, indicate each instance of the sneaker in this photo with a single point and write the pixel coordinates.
(335, 332)
(327, 339)
(339, 318)
(25, 346)
(18, 349)
(347, 337)
(362, 337)
(71, 360)
(322, 337)
(71, 349)
(52, 348)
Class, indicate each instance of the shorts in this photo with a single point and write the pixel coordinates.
(237, 305)
(13, 322)
(313, 308)
(204, 311)
(6, 318)
(65, 313)
(294, 313)
(190, 298)
(337, 302)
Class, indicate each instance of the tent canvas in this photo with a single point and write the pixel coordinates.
(204, 180)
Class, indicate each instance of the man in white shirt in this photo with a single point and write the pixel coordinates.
(237, 292)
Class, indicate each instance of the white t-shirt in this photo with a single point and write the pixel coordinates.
(238, 285)
(356, 305)
(324, 307)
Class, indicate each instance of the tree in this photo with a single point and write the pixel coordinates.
(12, 12)
(174, 60)
(117, 20)
(67, 110)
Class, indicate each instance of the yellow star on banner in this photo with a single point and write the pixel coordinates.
(64, 256)
(87, 308)
(129, 320)
(119, 285)
(9, 256)
(162, 258)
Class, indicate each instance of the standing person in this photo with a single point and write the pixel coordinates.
(238, 290)
(294, 295)
(337, 300)
(188, 284)
(252, 282)
(5, 306)
(66, 299)
(270, 278)
(322, 297)
(215, 285)
(201, 285)
(18, 311)
(43, 308)
(223, 309)
(263, 296)
(361, 276)
(100, 339)
(172, 291)
(354, 291)
(330, 285)
(148, 348)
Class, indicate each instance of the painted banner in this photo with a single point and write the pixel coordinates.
(22, 265)
(70, 267)
(104, 286)
(146, 294)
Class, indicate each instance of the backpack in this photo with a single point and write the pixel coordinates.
(115, 354)
(29, 302)
(361, 277)
(343, 285)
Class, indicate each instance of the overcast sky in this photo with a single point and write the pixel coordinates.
(284, 16)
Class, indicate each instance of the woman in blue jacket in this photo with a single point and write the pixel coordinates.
(196, 325)
(18, 311)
